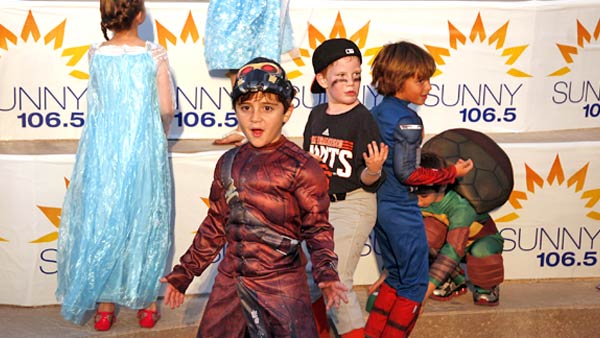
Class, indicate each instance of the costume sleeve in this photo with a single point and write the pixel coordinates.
(164, 85)
(407, 153)
(460, 217)
(208, 241)
(311, 192)
(91, 52)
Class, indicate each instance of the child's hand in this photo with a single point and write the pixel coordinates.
(373, 287)
(375, 157)
(173, 298)
(333, 292)
(463, 167)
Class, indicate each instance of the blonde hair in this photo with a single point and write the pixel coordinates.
(397, 62)
(118, 15)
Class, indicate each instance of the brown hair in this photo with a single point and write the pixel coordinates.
(397, 62)
(118, 15)
(432, 161)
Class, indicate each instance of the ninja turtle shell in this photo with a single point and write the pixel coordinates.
(489, 184)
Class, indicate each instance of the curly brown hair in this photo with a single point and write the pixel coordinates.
(397, 62)
(118, 15)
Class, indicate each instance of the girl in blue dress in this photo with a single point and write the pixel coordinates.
(115, 226)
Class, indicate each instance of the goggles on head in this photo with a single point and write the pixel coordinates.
(261, 77)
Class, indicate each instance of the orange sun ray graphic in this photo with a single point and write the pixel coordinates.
(316, 37)
(584, 37)
(189, 30)
(478, 35)
(556, 175)
(54, 37)
(53, 215)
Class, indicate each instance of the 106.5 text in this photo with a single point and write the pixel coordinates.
(568, 258)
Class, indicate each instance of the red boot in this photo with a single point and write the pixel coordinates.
(356, 333)
(402, 319)
(320, 315)
(382, 307)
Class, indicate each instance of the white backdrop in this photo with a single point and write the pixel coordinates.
(520, 66)
(508, 66)
(551, 225)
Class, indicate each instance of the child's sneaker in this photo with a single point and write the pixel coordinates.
(490, 298)
(448, 291)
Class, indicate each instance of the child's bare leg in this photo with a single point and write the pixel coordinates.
(106, 307)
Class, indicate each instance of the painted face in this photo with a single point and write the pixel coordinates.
(261, 118)
(414, 90)
(425, 200)
(342, 81)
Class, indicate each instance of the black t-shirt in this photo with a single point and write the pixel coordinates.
(340, 141)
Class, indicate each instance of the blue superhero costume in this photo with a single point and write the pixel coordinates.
(399, 230)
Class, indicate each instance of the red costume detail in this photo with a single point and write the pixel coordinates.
(282, 191)
(392, 316)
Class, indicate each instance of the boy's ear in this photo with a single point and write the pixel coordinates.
(287, 114)
(321, 80)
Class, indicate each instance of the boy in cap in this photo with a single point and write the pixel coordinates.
(267, 196)
(344, 136)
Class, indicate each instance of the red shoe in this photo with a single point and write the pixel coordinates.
(148, 318)
(105, 321)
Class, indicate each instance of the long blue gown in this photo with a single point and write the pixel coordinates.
(237, 31)
(115, 229)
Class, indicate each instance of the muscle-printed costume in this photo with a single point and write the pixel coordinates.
(340, 140)
(455, 231)
(280, 199)
(399, 230)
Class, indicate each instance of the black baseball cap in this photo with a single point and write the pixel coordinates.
(328, 52)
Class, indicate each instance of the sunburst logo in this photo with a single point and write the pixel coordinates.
(53, 215)
(189, 31)
(584, 39)
(187, 42)
(477, 37)
(557, 188)
(316, 37)
(54, 38)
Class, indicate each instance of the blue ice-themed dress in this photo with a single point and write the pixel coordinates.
(239, 30)
(115, 228)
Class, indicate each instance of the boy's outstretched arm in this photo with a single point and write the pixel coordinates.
(334, 292)
(173, 298)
